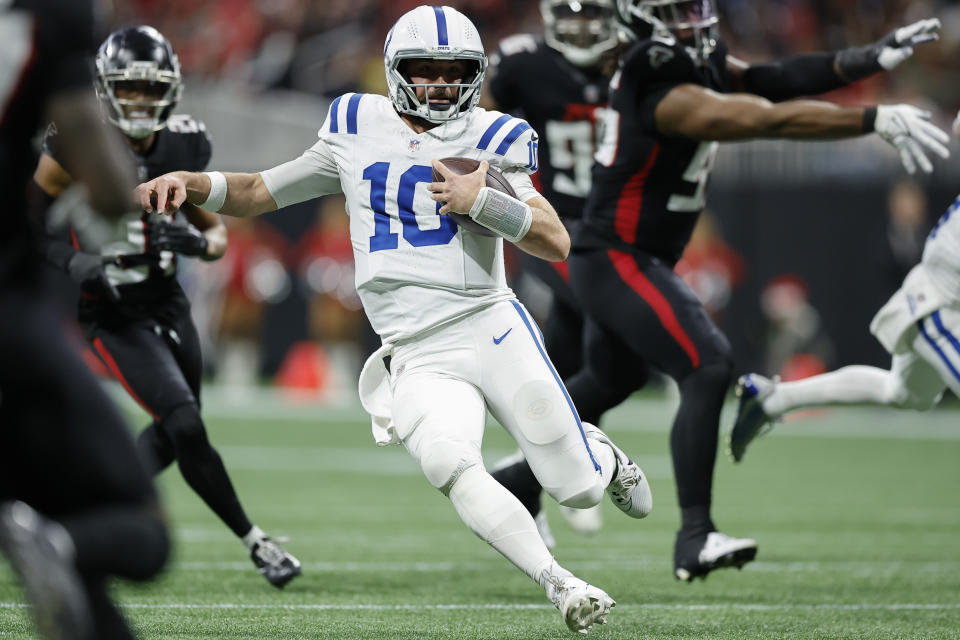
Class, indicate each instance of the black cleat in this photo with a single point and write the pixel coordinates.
(714, 550)
(273, 562)
(42, 554)
(751, 421)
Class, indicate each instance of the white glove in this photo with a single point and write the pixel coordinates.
(898, 46)
(909, 130)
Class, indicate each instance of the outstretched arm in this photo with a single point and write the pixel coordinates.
(816, 73)
(692, 111)
(244, 195)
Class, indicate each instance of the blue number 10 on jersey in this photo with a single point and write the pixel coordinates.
(382, 237)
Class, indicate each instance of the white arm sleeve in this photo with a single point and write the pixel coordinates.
(521, 183)
(311, 175)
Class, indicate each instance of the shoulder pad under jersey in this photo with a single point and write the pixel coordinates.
(510, 138)
(659, 61)
(344, 115)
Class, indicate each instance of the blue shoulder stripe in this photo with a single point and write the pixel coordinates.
(334, 114)
(492, 131)
(515, 133)
(352, 107)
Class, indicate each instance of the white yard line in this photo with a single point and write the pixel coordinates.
(731, 606)
(865, 568)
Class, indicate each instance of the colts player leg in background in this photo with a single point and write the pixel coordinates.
(135, 312)
(919, 327)
(558, 82)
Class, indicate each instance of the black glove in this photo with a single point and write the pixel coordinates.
(888, 52)
(87, 270)
(177, 238)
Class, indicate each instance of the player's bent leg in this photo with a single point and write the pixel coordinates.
(938, 344)
(442, 429)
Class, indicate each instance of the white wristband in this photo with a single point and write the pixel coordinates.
(503, 214)
(218, 191)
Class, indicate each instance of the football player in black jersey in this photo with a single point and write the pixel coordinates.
(559, 83)
(135, 313)
(76, 504)
(674, 95)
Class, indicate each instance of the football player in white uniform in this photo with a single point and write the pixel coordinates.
(919, 326)
(456, 341)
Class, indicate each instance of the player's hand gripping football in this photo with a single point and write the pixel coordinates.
(910, 132)
(168, 189)
(897, 46)
(456, 192)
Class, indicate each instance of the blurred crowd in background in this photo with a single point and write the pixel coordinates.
(281, 305)
(328, 47)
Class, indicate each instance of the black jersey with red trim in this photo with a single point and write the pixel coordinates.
(560, 101)
(47, 48)
(183, 145)
(649, 189)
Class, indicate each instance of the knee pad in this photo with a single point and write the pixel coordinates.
(444, 461)
(541, 412)
(185, 428)
(580, 497)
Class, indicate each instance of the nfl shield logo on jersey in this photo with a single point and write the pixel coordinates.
(414, 145)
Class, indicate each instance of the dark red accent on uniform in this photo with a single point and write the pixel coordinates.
(631, 274)
(630, 202)
(115, 370)
(73, 239)
(537, 183)
(574, 112)
(563, 269)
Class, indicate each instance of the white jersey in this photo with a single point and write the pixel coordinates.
(415, 269)
(941, 254)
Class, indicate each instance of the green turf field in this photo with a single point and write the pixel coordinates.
(857, 513)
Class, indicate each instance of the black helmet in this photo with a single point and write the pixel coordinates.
(583, 31)
(138, 59)
(692, 22)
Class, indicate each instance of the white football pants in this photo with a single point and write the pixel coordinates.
(916, 379)
(444, 381)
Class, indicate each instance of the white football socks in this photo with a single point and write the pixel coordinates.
(253, 536)
(606, 458)
(496, 516)
(856, 384)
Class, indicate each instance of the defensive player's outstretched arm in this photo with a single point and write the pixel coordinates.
(815, 73)
(245, 194)
(692, 111)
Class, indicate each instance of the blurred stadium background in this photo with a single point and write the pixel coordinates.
(803, 244)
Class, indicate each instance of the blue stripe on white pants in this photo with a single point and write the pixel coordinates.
(938, 324)
(543, 354)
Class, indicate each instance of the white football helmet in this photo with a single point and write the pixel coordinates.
(581, 31)
(436, 33)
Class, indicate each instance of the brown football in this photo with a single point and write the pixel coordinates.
(495, 180)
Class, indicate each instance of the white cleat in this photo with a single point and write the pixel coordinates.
(628, 489)
(586, 522)
(582, 605)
